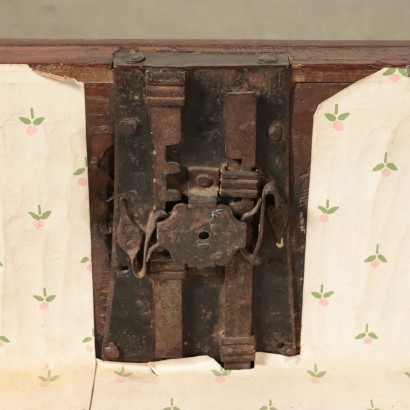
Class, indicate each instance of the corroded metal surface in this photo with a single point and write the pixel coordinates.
(200, 208)
(201, 236)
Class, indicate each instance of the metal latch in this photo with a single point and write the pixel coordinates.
(200, 192)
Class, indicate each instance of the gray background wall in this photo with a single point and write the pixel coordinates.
(243, 19)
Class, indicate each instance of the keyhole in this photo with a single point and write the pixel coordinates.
(203, 235)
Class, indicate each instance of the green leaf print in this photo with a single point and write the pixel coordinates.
(45, 215)
(38, 298)
(4, 339)
(330, 117)
(378, 167)
(317, 295)
(389, 71)
(25, 120)
(403, 72)
(370, 258)
(392, 166)
(360, 336)
(328, 294)
(34, 216)
(382, 258)
(343, 116)
(79, 171)
(38, 120)
(332, 210)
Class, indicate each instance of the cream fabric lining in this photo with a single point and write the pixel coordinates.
(357, 281)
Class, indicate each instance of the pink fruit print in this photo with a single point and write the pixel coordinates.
(375, 259)
(31, 122)
(45, 381)
(171, 407)
(269, 406)
(82, 180)
(122, 375)
(3, 340)
(39, 217)
(221, 374)
(395, 74)
(367, 336)
(326, 211)
(385, 167)
(322, 296)
(337, 118)
(372, 408)
(89, 340)
(316, 375)
(44, 300)
(85, 261)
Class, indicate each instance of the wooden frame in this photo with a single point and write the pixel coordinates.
(319, 70)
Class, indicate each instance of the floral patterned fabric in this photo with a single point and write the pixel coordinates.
(47, 356)
(357, 282)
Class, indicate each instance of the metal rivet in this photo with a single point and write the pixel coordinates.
(275, 131)
(286, 349)
(129, 125)
(267, 58)
(111, 351)
(131, 244)
(93, 161)
(204, 180)
(203, 245)
(135, 57)
(216, 256)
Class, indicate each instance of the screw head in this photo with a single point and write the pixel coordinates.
(275, 131)
(215, 257)
(203, 245)
(204, 180)
(111, 351)
(129, 125)
(267, 58)
(131, 244)
(135, 57)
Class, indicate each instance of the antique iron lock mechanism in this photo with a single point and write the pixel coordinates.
(201, 253)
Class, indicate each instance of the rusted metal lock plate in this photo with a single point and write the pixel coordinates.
(201, 257)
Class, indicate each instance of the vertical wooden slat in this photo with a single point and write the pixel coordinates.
(306, 98)
(100, 140)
